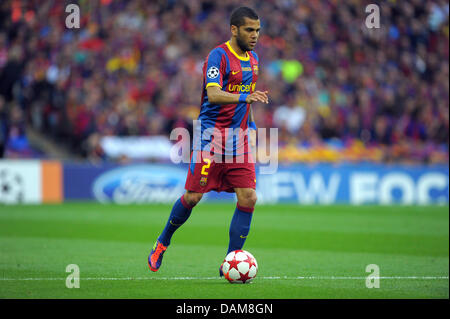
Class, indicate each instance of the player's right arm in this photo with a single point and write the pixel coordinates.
(217, 96)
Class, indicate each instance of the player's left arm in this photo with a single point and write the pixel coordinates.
(252, 127)
(251, 119)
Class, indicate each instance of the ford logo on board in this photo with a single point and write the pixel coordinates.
(140, 184)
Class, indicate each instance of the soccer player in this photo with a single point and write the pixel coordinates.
(229, 76)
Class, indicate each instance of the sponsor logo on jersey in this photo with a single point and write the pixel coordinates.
(239, 88)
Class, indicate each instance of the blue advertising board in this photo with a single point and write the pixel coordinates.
(303, 184)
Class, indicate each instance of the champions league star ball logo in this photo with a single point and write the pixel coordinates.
(213, 72)
(11, 187)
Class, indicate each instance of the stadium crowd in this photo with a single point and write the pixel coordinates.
(339, 91)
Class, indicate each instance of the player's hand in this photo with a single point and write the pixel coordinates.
(258, 96)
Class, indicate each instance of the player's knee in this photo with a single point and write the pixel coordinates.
(192, 198)
(252, 199)
(249, 200)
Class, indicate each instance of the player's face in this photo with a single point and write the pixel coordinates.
(247, 34)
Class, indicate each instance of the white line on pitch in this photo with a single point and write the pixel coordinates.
(212, 278)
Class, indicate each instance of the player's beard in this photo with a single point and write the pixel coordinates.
(242, 45)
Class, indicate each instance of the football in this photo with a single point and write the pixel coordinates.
(239, 266)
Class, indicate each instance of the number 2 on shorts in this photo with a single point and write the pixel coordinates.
(205, 166)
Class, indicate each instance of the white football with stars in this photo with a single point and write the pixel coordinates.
(239, 266)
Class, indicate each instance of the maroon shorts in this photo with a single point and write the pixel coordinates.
(208, 173)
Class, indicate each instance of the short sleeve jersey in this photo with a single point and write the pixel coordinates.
(234, 74)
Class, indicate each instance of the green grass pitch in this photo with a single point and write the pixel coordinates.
(302, 251)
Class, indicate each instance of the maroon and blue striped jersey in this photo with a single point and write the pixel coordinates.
(233, 74)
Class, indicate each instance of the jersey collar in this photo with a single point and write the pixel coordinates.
(235, 54)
